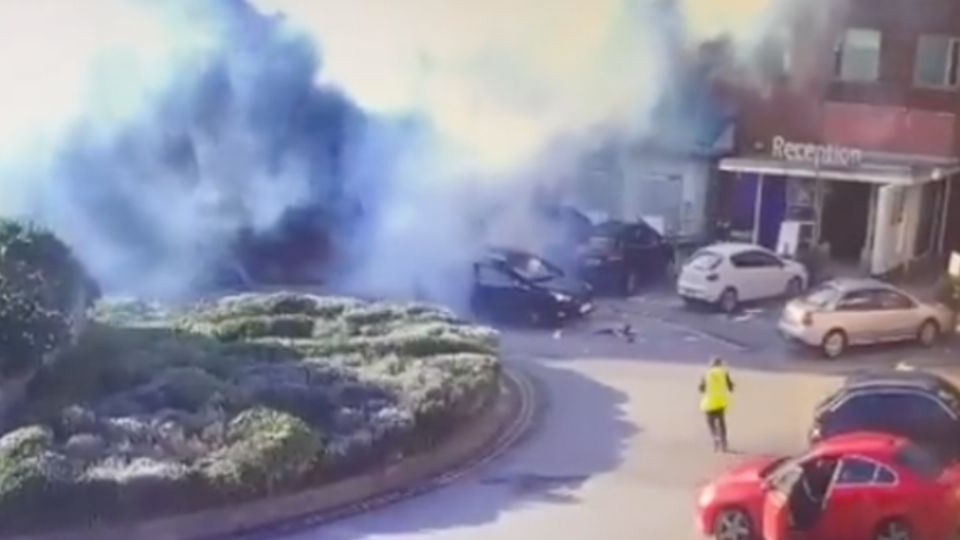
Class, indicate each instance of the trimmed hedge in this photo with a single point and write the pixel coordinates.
(158, 410)
(266, 449)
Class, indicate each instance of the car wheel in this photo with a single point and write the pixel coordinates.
(834, 343)
(893, 529)
(794, 286)
(733, 524)
(928, 333)
(729, 300)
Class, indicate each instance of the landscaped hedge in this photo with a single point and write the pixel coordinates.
(157, 411)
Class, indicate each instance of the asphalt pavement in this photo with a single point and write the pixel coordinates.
(620, 448)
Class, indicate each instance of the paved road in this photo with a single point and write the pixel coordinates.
(620, 448)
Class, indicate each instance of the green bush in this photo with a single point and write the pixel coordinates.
(324, 387)
(31, 488)
(25, 442)
(43, 292)
(189, 387)
(286, 326)
(267, 450)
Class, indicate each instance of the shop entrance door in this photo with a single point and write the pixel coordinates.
(843, 222)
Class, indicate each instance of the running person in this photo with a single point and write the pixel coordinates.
(715, 388)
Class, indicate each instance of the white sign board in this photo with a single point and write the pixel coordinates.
(820, 154)
(954, 268)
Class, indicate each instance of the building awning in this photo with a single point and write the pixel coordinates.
(898, 170)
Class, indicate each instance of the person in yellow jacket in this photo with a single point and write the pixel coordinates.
(716, 386)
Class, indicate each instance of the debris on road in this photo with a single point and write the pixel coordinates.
(626, 332)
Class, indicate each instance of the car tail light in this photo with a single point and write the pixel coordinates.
(712, 277)
(807, 318)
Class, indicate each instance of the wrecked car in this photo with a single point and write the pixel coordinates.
(515, 286)
(619, 257)
(572, 230)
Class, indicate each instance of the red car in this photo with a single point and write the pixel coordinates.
(861, 486)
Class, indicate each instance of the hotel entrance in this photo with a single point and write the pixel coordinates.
(844, 220)
(873, 215)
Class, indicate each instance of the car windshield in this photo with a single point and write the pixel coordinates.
(822, 295)
(532, 268)
(704, 260)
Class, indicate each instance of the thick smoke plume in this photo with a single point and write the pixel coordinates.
(511, 94)
(148, 134)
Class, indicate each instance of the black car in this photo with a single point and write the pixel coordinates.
(620, 256)
(569, 229)
(918, 405)
(519, 287)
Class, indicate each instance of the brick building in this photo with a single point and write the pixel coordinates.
(853, 145)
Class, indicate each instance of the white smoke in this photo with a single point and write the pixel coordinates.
(131, 128)
(499, 83)
(147, 133)
(65, 62)
(496, 79)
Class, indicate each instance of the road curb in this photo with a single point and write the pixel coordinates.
(494, 431)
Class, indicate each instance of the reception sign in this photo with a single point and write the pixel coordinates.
(821, 154)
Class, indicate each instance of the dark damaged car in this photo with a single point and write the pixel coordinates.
(571, 229)
(621, 256)
(518, 287)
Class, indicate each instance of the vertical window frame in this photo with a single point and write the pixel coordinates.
(951, 69)
(841, 51)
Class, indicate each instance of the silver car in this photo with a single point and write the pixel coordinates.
(847, 312)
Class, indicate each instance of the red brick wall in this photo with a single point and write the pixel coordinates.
(889, 115)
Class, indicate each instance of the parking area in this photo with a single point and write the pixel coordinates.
(620, 447)
(656, 321)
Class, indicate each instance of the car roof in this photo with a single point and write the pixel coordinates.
(865, 443)
(920, 381)
(732, 248)
(922, 378)
(619, 225)
(857, 284)
(500, 252)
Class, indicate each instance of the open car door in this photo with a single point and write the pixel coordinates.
(794, 500)
(776, 504)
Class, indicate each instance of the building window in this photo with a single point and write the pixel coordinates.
(775, 57)
(936, 62)
(858, 55)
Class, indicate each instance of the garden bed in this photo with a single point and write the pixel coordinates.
(157, 412)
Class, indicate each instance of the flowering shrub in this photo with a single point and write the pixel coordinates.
(159, 410)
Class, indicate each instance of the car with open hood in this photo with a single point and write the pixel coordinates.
(517, 286)
(569, 227)
(860, 486)
(620, 256)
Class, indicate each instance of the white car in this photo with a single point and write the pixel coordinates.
(847, 312)
(730, 273)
